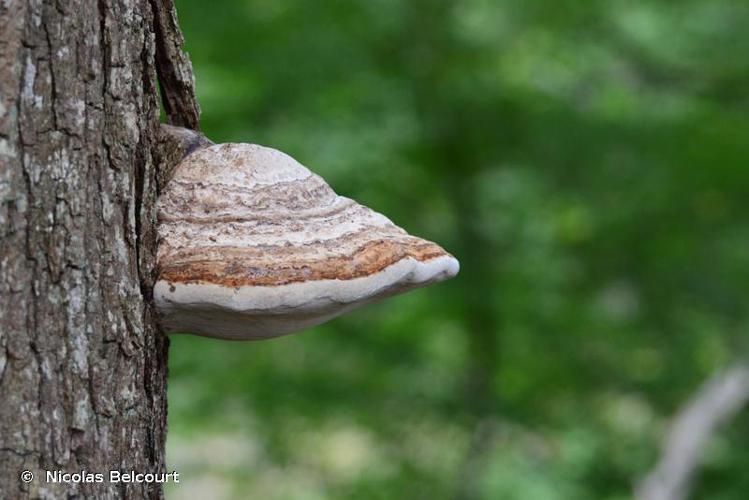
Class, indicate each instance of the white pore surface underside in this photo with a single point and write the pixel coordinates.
(257, 312)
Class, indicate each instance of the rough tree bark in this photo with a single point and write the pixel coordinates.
(82, 364)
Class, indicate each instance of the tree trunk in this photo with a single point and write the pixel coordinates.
(82, 363)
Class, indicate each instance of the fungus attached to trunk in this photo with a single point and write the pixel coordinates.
(253, 245)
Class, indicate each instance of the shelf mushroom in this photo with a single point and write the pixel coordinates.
(253, 245)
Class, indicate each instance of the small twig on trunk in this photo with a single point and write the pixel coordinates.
(174, 69)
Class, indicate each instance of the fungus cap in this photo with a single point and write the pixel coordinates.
(253, 245)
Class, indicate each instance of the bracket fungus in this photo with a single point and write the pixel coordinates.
(253, 245)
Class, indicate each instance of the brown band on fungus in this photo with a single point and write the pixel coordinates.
(236, 268)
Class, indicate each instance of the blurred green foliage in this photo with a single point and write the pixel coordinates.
(587, 163)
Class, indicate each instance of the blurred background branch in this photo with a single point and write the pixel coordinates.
(719, 399)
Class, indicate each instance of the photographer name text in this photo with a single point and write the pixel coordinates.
(112, 476)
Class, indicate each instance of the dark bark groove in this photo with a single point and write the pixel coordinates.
(82, 364)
